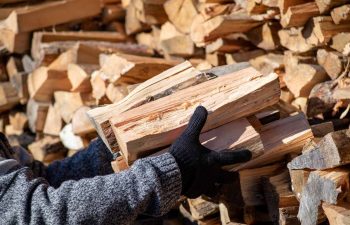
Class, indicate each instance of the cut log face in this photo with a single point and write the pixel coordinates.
(37, 112)
(131, 133)
(201, 208)
(67, 104)
(298, 180)
(332, 151)
(337, 214)
(8, 96)
(294, 40)
(327, 186)
(265, 36)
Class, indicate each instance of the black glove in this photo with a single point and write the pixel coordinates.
(200, 167)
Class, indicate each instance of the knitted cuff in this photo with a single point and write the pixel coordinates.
(170, 180)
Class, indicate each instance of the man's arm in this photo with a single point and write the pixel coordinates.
(93, 161)
(151, 185)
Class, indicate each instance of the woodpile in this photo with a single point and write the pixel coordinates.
(273, 74)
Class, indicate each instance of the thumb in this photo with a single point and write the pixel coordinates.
(196, 122)
(228, 157)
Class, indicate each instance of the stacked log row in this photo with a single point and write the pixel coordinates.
(150, 63)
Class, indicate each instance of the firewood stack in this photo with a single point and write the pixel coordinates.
(273, 74)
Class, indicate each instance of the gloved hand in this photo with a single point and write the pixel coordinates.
(200, 167)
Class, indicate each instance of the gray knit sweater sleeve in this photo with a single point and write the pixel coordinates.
(152, 185)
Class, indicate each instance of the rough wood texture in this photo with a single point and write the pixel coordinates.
(327, 186)
(332, 151)
(166, 83)
(67, 104)
(79, 77)
(80, 122)
(201, 208)
(285, 4)
(281, 137)
(337, 214)
(298, 180)
(265, 36)
(294, 40)
(177, 108)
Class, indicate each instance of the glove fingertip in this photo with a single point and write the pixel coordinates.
(197, 121)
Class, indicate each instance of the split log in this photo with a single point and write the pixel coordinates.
(205, 31)
(300, 77)
(235, 135)
(43, 82)
(99, 87)
(327, 186)
(49, 14)
(166, 83)
(341, 14)
(18, 121)
(130, 133)
(79, 76)
(67, 104)
(37, 112)
(8, 96)
(265, 36)
(13, 42)
(51, 44)
(280, 138)
(326, 5)
(269, 63)
(53, 122)
(331, 151)
(175, 43)
(228, 44)
(298, 15)
(81, 124)
(321, 29)
(294, 40)
(48, 149)
(14, 66)
(337, 214)
(278, 194)
(340, 41)
(216, 59)
(321, 99)
(298, 180)
(150, 12)
(116, 93)
(131, 69)
(181, 13)
(284, 5)
(243, 56)
(332, 61)
(252, 184)
(132, 24)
